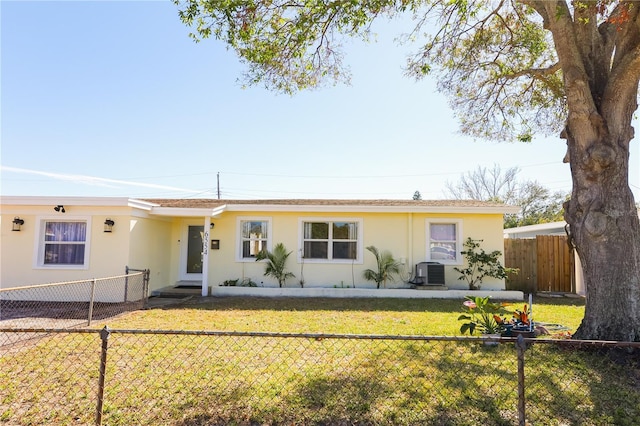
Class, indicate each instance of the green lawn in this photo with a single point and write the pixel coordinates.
(194, 379)
(430, 317)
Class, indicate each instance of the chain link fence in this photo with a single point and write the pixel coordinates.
(143, 377)
(72, 303)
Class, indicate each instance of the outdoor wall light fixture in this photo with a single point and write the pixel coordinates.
(17, 223)
(108, 225)
(59, 208)
(212, 225)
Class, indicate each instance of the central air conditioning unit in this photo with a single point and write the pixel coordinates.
(429, 273)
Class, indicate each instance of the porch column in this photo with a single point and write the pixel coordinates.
(205, 256)
(410, 263)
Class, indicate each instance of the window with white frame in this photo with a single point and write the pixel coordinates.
(63, 243)
(444, 241)
(331, 240)
(254, 236)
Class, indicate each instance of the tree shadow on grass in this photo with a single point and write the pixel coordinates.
(428, 383)
(346, 304)
(573, 384)
(332, 304)
(383, 385)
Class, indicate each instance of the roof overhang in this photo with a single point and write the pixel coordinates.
(158, 210)
(187, 212)
(199, 212)
(539, 227)
(76, 201)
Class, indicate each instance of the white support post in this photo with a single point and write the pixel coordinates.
(205, 256)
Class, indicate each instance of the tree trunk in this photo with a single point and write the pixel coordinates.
(601, 92)
(604, 227)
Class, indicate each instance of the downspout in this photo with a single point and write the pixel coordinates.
(205, 256)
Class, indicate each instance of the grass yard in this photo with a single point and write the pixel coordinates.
(193, 379)
(429, 317)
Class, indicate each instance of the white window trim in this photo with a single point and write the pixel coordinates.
(239, 221)
(458, 222)
(359, 245)
(38, 261)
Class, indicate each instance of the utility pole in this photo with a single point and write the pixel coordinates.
(218, 178)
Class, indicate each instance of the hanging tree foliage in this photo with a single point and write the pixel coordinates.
(511, 70)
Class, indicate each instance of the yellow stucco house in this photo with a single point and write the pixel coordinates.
(206, 241)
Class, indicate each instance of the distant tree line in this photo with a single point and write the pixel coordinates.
(537, 203)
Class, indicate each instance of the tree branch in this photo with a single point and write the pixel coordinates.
(540, 7)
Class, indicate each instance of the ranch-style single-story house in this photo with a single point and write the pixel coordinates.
(208, 241)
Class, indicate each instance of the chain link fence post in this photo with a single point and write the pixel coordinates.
(91, 300)
(521, 346)
(126, 283)
(104, 336)
(145, 287)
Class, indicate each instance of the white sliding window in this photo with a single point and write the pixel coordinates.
(331, 240)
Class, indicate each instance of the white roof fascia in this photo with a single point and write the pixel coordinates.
(155, 209)
(187, 212)
(142, 205)
(370, 209)
(219, 210)
(72, 201)
(75, 201)
(536, 227)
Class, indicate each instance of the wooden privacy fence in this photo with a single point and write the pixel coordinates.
(545, 263)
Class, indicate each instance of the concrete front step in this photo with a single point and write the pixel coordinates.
(176, 292)
(189, 284)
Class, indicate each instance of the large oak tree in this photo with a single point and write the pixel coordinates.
(511, 69)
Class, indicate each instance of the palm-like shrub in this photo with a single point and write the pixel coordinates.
(276, 263)
(387, 267)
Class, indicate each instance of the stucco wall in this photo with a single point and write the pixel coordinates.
(108, 252)
(143, 240)
(487, 228)
(150, 248)
(403, 234)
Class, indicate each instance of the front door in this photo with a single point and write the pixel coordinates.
(191, 268)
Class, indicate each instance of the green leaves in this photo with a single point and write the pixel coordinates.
(482, 315)
(276, 263)
(480, 265)
(469, 327)
(387, 267)
(287, 46)
(495, 60)
(495, 64)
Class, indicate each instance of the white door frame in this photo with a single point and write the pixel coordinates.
(184, 249)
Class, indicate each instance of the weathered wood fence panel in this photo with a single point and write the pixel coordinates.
(554, 263)
(521, 254)
(544, 264)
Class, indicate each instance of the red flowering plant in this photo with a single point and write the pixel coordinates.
(520, 322)
(483, 316)
(522, 318)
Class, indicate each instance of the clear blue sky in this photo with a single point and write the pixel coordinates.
(113, 99)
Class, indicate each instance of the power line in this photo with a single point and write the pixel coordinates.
(325, 176)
